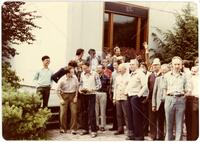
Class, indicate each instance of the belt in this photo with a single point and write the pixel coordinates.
(44, 86)
(178, 95)
(69, 92)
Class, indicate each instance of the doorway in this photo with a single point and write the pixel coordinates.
(126, 26)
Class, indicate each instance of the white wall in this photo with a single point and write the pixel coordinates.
(50, 40)
(67, 26)
(85, 27)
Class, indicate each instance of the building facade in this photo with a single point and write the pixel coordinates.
(67, 26)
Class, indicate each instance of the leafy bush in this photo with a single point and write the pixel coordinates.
(22, 116)
(181, 41)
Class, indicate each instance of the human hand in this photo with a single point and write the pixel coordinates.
(153, 108)
(145, 45)
(62, 102)
(75, 99)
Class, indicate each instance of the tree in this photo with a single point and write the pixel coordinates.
(17, 25)
(181, 41)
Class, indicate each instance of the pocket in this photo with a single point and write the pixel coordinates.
(168, 102)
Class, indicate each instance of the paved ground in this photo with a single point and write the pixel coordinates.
(107, 135)
(102, 136)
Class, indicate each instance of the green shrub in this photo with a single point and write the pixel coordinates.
(22, 116)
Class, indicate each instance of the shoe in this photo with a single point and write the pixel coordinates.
(119, 133)
(112, 129)
(102, 129)
(84, 132)
(73, 132)
(93, 134)
(129, 138)
(62, 131)
(160, 139)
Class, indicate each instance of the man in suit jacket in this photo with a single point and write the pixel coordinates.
(93, 59)
(150, 84)
(158, 101)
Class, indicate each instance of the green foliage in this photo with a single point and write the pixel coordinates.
(22, 116)
(17, 25)
(181, 41)
(9, 76)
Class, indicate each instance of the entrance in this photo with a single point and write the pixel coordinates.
(126, 26)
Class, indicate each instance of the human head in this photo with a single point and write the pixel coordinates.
(109, 58)
(156, 65)
(86, 67)
(194, 70)
(134, 64)
(73, 64)
(144, 67)
(122, 68)
(69, 72)
(186, 64)
(46, 61)
(104, 62)
(117, 51)
(164, 68)
(176, 63)
(99, 69)
(196, 62)
(115, 65)
(80, 52)
(92, 52)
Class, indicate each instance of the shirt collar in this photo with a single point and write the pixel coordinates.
(68, 77)
(157, 74)
(45, 68)
(90, 73)
(180, 73)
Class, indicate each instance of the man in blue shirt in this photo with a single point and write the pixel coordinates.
(43, 78)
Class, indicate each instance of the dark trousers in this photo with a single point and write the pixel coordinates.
(80, 111)
(89, 115)
(145, 109)
(192, 117)
(44, 92)
(156, 121)
(137, 118)
(152, 121)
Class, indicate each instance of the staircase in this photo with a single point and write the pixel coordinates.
(53, 122)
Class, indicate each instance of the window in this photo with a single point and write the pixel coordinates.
(125, 25)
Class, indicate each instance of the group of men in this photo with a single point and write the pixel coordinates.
(144, 101)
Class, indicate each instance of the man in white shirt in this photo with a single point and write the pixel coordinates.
(135, 89)
(120, 98)
(89, 84)
(192, 106)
